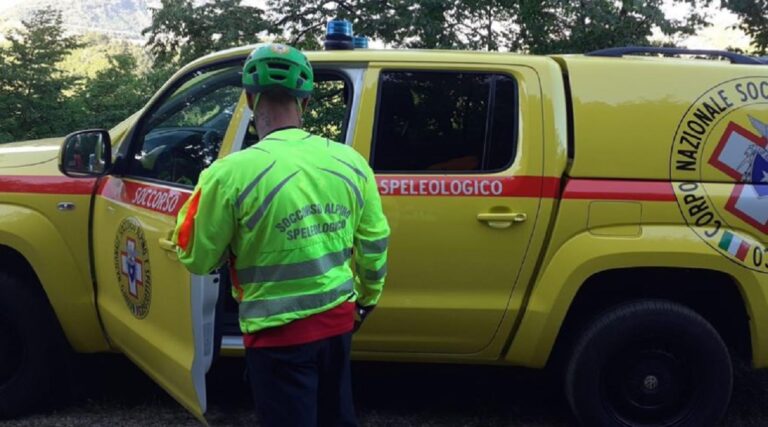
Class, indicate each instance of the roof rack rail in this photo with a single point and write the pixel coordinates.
(735, 58)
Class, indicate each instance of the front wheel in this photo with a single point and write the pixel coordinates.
(649, 363)
(31, 348)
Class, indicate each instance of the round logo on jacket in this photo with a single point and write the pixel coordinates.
(132, 267)
(719, 165)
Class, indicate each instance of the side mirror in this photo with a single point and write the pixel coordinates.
(86, 153)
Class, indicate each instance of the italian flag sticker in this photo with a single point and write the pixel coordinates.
(734, 245)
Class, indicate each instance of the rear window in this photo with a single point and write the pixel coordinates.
(445, 122)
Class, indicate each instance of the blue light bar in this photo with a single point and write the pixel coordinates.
(339, 35)
(361, 42)
(339, 29)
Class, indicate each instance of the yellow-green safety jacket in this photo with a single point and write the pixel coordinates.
(289, 212)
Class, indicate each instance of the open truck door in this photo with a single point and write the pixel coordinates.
(153, 310)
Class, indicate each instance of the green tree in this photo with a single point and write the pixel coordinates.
(33, 89)
(181, 31)
(753, 15)
(113, 93)
(96, 51)
(584, 25)
(538, 26)
(400, 22)
(553, 26)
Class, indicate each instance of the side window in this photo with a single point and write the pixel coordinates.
(328, 111)
(445, 121)
(183, 134)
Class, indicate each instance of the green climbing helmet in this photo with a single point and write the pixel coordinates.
(277, 66)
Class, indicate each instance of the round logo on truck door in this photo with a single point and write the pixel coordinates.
(132, 267)
(719, 162)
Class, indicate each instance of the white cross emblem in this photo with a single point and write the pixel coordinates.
(131, 267)
(743, 155)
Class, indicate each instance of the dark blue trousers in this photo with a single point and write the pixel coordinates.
(305, 385)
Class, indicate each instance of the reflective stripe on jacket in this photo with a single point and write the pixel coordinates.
(289, 213)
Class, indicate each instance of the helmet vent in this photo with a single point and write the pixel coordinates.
(279, 66)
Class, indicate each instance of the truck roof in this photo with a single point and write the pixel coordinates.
(441, 55)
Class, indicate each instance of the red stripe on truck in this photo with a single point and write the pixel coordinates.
(599, 189)
(470, 186)
(158, 198)
(169, 200)
(46, 184)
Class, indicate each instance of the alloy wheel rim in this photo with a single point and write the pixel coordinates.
(650, 384)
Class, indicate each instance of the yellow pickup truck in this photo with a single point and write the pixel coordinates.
(606, 214)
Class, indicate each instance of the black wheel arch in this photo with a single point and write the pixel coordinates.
(649, 362)
(714, 295)
(15, 265)
(45, 353)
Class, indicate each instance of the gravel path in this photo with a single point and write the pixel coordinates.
(112, 392)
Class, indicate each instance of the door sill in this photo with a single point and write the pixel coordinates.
(232, 342)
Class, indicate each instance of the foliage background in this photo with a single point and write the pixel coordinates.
(57, 78)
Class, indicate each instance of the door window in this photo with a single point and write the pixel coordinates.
(445, 122)
(327, 114)
(183, 134)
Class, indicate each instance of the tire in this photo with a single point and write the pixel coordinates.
(649, 363)
(31, 348)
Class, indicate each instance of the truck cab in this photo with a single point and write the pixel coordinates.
(456, 161)
(530, 199)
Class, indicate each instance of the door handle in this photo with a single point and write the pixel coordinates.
(167, 245)
(502, 220)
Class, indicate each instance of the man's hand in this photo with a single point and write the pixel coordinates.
(361, 313)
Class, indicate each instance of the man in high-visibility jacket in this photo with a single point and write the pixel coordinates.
(290, 213)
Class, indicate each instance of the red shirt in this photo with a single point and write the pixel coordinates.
(336, 321)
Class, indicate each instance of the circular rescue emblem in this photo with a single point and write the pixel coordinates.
(280, 49)
(132, 267)
(719, 164)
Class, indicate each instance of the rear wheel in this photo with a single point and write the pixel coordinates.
(649, 363)
(11, 350)
(31, 348)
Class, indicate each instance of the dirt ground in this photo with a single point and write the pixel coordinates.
(110, 391)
